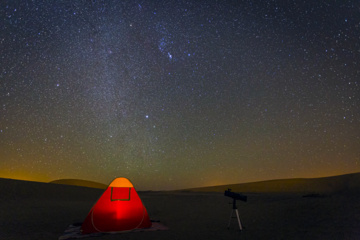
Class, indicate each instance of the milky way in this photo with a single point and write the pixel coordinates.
(176, 94)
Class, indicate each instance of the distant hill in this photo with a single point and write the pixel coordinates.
(342, 183)
(79, 182)
(13, 189)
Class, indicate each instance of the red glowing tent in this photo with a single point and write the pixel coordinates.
(118, 209)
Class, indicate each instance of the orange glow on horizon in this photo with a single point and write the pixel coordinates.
(21, 174)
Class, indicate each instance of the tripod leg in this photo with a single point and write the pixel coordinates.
(238, 218)
(231, 215)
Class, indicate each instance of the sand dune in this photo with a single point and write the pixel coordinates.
(342, 183)
(79, 182)
(32, 210)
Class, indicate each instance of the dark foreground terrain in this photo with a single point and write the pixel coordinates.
(30, 210)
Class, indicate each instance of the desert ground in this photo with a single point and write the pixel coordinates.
(320, 209)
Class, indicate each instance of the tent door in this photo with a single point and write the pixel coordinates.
(120, 194)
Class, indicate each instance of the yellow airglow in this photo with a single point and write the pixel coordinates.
(23, 174)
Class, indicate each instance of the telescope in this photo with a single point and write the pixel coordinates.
(235, 196)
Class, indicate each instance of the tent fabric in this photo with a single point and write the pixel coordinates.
(118, 209)
(121, 182)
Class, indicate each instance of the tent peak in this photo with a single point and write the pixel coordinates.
(121, 182)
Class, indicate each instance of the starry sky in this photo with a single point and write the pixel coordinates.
(177, 94)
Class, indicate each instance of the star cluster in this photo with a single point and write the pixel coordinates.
(176, 94)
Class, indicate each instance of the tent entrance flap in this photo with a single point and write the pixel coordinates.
(120, 194)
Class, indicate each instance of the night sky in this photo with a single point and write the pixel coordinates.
(177, 94)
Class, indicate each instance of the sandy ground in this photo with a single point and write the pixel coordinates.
(31, 210)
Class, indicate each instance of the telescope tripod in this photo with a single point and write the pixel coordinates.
(234, 209)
